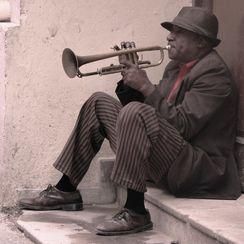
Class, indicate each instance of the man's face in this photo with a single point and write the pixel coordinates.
(184, 45)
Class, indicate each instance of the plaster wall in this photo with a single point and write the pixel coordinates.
(41, 102)
(231, 19)
(2, 96)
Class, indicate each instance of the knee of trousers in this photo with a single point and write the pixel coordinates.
(102, 99)
(135, 111)
(96, 96)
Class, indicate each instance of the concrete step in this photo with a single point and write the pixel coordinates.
(198, 221)
(60, 227)
(186, 221)
(183, 221)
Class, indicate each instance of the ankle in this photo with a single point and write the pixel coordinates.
(138, 210)
(65, 184)
(135, 201)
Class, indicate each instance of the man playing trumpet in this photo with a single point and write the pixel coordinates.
(180, 132)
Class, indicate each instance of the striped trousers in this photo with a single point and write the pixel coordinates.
(145, 144)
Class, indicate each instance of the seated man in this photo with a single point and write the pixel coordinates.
(182, 133)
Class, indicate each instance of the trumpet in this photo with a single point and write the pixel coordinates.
(72, 63)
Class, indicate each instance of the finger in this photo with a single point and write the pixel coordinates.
(122, 58)
(123, 73)
(128, 64)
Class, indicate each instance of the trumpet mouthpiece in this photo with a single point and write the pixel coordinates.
(167, 47)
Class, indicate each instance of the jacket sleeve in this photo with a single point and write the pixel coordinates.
(205, 90)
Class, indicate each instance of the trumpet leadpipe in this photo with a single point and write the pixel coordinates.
(72, 62)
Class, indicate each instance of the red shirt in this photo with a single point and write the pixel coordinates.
(183, 71)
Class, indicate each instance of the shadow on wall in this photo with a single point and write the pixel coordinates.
(238, 73)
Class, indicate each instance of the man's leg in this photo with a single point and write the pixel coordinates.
(96, 121)
(147, 145)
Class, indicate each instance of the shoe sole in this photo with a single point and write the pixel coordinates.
(115, 233)
(66, 207)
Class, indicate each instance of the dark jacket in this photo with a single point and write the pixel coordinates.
(205, 114)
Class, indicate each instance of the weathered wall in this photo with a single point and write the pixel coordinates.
(2, 97)
(231, 17)
(41, 103)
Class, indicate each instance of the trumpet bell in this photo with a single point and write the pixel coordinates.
(70, 63)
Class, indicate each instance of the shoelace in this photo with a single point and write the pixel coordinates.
(121, 214)
(49, 189)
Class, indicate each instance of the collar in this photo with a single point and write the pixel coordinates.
(189, 65)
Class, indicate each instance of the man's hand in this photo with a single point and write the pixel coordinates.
(136, 78)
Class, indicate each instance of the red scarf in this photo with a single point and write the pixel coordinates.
(183, 71)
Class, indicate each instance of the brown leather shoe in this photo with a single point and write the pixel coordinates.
(53, 199)
(125, 222)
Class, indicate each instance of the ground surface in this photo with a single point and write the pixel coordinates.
(9, 233)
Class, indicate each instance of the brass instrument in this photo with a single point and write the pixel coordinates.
(72, 62)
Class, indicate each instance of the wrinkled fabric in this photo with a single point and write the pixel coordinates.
(204, 111)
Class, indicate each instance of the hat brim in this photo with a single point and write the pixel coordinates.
(169, 25)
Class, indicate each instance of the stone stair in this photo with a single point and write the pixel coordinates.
(199, 221)
(176, 220)
(60, 227)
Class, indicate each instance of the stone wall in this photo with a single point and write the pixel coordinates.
(39, 104)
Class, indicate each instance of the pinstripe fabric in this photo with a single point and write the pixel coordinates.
(145, 144)
(96, 120)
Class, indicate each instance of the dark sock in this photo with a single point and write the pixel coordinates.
(65, 184)
(135, 201)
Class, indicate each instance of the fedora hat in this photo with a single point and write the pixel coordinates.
(197, 20)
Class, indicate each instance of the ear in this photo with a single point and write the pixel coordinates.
(202, 42)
